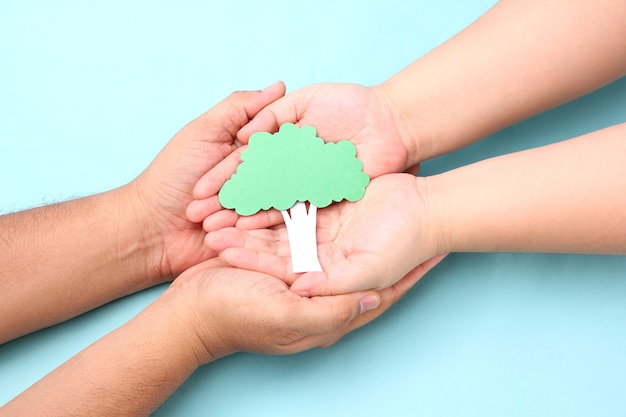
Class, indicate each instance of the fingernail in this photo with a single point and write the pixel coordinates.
(269, 86)
(369, 302)
(302, 293)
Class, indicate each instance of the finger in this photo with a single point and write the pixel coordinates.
(343, 276)
(265, 121)
(239, 108)
(225, 238)
(388, 297)
(269, 94)
(415, 169)
(350, 275)
(270, 118)
(268, 241)
(211, 182)
(220, 220)
(323, 319)
(261, 220)
(267, 263)
(198, 210)
(409, 280)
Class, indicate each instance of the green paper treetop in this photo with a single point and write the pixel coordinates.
(294, 166)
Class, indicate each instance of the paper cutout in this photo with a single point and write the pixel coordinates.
(288, 168)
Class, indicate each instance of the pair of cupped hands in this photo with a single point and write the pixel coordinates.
(368, 244)
(371, 251)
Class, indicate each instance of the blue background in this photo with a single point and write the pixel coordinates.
(91, 91)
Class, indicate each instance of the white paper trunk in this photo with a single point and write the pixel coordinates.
(301, 229)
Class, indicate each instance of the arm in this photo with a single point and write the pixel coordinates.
(126, 373)
(61, 260)
(567, 197)
(209, 312)
(520, 58)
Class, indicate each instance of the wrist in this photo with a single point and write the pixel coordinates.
(140, 243)
(199, 333)
(436, 213)
(411, 125)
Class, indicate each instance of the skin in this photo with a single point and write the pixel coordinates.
(417, 114)
(61, 260)
(210, 311)
(517, 60)
(520, 58)
(555, 206)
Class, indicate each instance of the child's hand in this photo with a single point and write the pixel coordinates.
(362, 115)
(370, 244)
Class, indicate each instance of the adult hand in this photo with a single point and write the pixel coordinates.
(161, 194)
(209, 311)
(227, 310)
(370, 244)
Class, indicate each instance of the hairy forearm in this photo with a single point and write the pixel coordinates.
(61, 260)
(520, 58)
(565, 197)
(128, 372)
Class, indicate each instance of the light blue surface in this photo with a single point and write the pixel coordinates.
(91, 91)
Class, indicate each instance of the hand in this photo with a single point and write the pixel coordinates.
(370, 244)
(161, 194)
(360, 114)
(227, 310)
(208, 312)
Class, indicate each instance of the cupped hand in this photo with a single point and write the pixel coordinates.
(369, 244)
(340, 111)
(227, 310)
(160, 195)
(352, 112)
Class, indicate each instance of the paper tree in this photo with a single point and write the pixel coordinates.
(285, 170)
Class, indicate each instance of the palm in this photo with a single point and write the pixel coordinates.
(234, 309)
(237, 300)
(167, 187)
(338, 111)
(341, 111)
(370, 244)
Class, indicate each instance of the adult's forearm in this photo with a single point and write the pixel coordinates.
(128, 372)
(520, 58)
(565, 197)
(61, 260)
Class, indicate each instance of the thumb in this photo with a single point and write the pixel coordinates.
(327, 314)
(356, 275)
(270, 118)
(211, 182)
(341, 278)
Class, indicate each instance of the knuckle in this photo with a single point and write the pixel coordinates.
(238, 94)
(286, 329)
(329, 343)
(341, 317)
